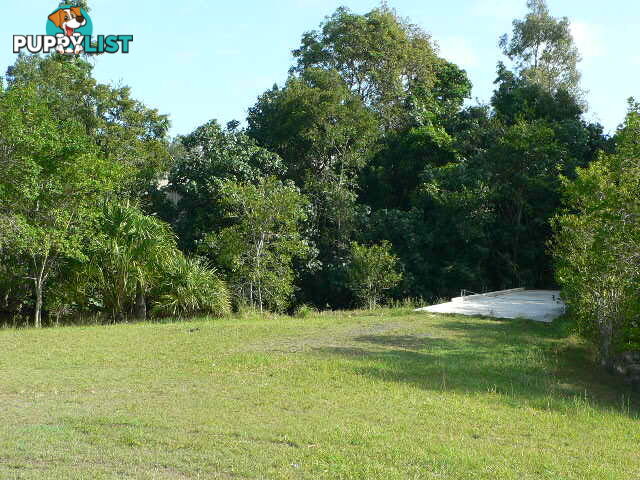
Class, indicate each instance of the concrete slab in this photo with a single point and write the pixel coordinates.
(538, 305)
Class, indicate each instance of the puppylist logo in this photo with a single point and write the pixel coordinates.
(69, 31)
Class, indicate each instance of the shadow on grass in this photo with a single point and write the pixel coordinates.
(526, 363)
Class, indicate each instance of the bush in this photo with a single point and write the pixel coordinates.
(304, 311)
(372, 272)
(190, 287)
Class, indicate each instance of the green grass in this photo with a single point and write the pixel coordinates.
(386, 395)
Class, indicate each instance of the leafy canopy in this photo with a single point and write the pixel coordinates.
(543, 50)
(373, 270)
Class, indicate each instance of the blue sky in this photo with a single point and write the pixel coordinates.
(197, 60)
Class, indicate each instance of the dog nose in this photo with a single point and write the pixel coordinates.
(80, 19)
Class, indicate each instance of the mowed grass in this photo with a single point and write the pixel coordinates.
(385, 395)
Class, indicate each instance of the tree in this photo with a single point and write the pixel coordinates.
(14, 289)
(341, 123)
(523, 169)
(537, 136)
(122, 129)
(204, 160)
(50, 183)
(316, 124)
(518, 98)
(393, 175)
(127, 257)
(543, 50)
(597, 243)
(258, 249)
(372, 272)
(389, 63)
(324, 134)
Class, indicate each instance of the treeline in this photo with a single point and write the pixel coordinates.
(368, 175)
(372, 129)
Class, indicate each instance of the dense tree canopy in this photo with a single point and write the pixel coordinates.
(203, 161)
(316, 124)
(258, 248)
(121, 128)
(367, 175)
(389, 63)
(49, 186)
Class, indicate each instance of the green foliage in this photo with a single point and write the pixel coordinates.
(597, 244)
(324, 134)
(543, 50)
(517, 98)
(389, 63)
(367, 142)
(122, 129)
(259, 247)
(472, 206)
(15, 293)
(523, 168)
(373, 271)
(305, 311)
(190, 287)
(393, 176)
(316, 124)
(127, 256)
(204, 160)
(50, 184)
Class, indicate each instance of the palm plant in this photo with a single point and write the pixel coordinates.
(128, 256)
(190, 287)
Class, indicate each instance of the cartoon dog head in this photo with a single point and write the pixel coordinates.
(68, 19)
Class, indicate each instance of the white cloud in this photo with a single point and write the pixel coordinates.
(589, 39)
(458, 50)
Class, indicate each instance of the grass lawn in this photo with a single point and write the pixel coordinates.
(385, 395)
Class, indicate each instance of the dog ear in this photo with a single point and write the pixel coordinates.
(57, 18)
(77, 11)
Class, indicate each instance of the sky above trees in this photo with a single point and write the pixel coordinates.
(196, 60)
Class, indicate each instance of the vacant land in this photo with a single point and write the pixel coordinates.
(363, 395)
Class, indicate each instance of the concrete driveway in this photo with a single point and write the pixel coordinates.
(538, 305)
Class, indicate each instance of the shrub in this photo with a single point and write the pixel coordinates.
(189, 288)
(304, 311)
(372, 272)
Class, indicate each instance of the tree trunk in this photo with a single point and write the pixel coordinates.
(38, 283)
(141, 303)
(606, 337)
(258, 257)
(37, 314)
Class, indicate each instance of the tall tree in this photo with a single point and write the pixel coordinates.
(543, 50)
(597, 245)
(259, 248)
(204, 160)
(324, 133)
(389, 63)
(123, 129)
(50, 183)
(316, 124)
